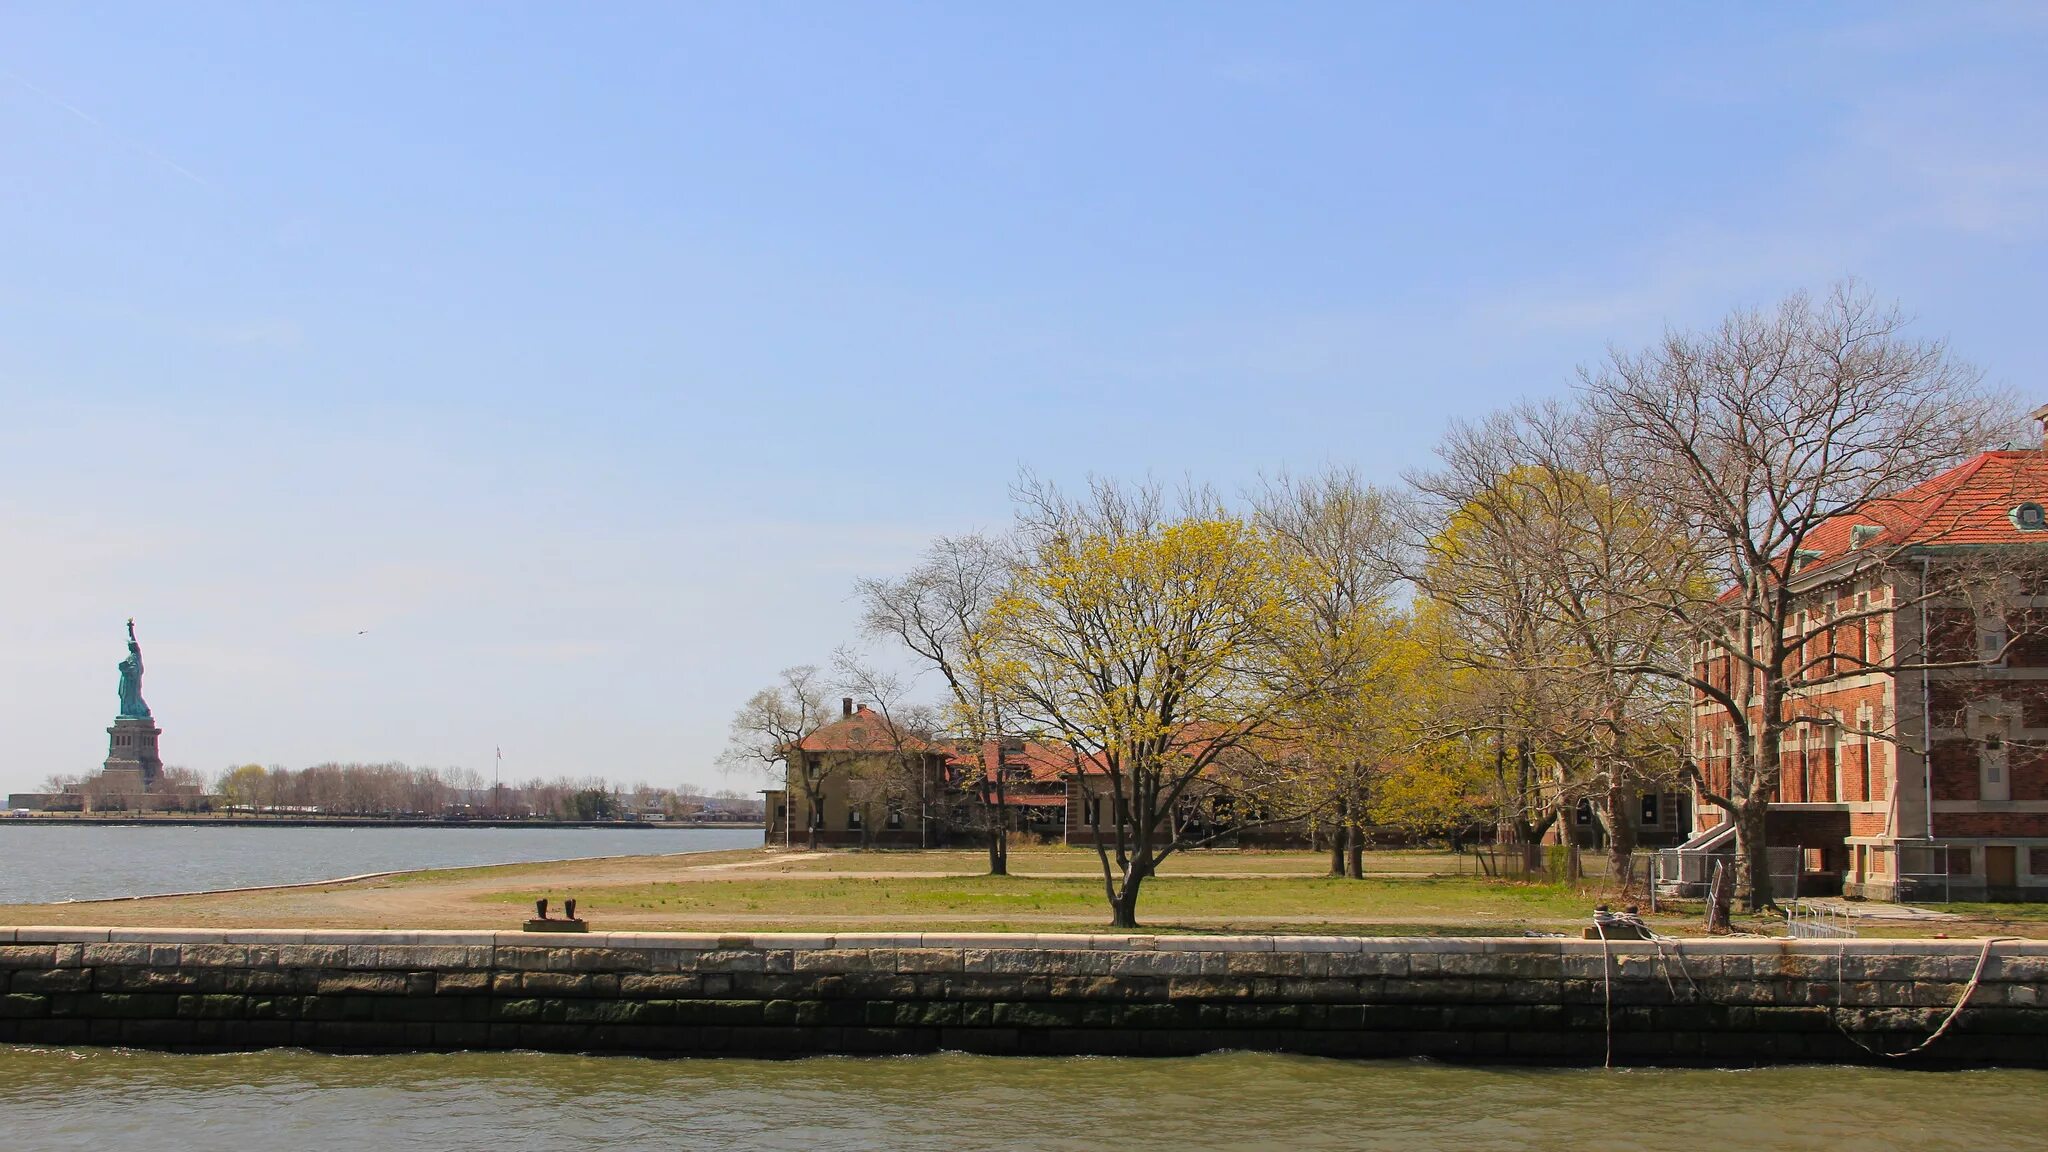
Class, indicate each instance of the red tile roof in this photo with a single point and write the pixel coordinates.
(1034, 800)
(1971, 503)
(1041, 763)
(864, 731)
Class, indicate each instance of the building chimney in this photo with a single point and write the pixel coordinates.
(846, 705)
(2041, 414)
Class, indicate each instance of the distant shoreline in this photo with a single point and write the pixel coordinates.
(363, 822)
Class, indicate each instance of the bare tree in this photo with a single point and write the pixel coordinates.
(772, 725)
(1344, 533)
(939, 611)
(1751, 437)
(897, 770)
(1527, 536)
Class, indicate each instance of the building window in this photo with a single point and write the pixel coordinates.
(1649, 810)
(817, 813)
(1585, 812)
(1091, 811)
(895, 820)
(1959, 862)
(2037, 861)
(853, 819)
(2029, 517)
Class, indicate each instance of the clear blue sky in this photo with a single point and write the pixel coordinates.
(582, 355)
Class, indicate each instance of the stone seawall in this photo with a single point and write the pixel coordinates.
(1728, 1001)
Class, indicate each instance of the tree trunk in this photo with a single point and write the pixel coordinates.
(1354, 834)
(1123, 910)
(1337, 843)
(999, 832)
(1752, 855)
(1621, 835)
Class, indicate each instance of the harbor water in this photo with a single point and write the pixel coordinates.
(42, 863)
(111, 1100)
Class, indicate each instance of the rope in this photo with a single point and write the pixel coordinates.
(1606, 983)
(1604, 920)
(1955, 1013)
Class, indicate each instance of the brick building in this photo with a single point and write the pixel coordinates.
(867, 783)
(1856, 791)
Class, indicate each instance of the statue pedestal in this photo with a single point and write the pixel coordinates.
(132, 754)
(557, 926)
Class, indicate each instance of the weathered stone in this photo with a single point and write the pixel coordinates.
(556, 983)
(660, 984)
(338, 982)
(51, 980)
(462, 983)
(28, 956)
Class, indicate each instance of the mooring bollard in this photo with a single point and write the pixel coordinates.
(541, 923)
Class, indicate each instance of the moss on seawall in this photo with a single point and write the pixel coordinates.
(1725, 1001)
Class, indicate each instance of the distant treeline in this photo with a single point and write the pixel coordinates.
(404, 790)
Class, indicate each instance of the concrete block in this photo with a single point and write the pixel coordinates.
(919, 960)
(660, 985)
(1216, 943)
(1075, 942)
(28, 956)
(796, 941)
(41, 934)
(52, 980)
(312, 955)
(270, 936)
(337, 982)
(345, 937)
(873, 941)
(1320, 944)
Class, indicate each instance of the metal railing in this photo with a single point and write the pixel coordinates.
(1804, 921)
(1923, 873)
(1687, 872)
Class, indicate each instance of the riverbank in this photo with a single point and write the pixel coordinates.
(190, 820)
(86, 862)
(1495, 1000)
(1050, 890)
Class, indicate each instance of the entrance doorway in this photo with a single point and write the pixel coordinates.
(2001, 866)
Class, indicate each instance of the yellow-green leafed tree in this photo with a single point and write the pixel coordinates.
(246, 785)
(1441, 790)
(1161, 647)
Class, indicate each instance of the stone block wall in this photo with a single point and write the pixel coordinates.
(1736, 1001)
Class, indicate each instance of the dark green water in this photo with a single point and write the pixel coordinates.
(300, 1102)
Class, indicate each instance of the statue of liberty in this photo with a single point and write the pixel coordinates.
(131, 679)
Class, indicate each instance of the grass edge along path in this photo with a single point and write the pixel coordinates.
(773, 890)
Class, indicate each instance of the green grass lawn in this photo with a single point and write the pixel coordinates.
(1084, 862)
(1305, 904)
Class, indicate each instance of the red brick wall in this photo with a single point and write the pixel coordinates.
(1819, 830)
(2029, 772)
(1955, 770)
(1866, 823)
(1995, 824)
(1855, 772)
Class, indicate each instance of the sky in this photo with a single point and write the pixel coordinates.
(429, 380)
